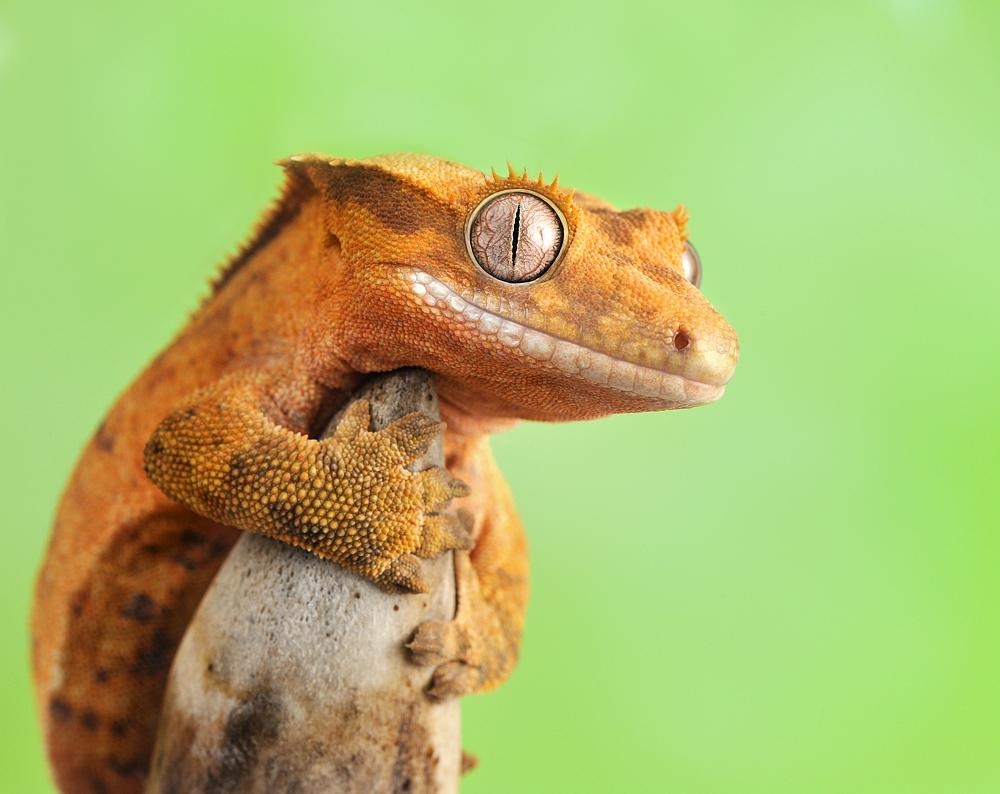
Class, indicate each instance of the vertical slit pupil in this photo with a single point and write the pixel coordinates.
(517, 234)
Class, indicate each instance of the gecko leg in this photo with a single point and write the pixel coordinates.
(479, 648)
(348, 498)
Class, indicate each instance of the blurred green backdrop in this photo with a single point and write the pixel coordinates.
(794, 590)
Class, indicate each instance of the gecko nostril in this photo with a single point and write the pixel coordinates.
(681, 340)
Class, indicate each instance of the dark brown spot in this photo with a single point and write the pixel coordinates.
(60, 710)
(154, 657)
(187, 563)
(98, 786)
(132, 767)
(89, 720)
(193, 550)
(101, 675)
(681, 340)
(103, 439)
(119, 728)
(141, 608)
(190, 537)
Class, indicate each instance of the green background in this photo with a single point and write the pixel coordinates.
(793, 590)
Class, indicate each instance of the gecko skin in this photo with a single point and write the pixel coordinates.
(526, 301)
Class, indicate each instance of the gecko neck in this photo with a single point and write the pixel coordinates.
(462, 422)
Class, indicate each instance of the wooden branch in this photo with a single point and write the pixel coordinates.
(292, 676)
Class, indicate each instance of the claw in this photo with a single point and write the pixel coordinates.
(355, 421)
(404, 574)
(412, 434)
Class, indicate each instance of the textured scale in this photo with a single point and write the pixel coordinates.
(361, 267)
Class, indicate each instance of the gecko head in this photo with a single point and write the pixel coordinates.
(527, 301)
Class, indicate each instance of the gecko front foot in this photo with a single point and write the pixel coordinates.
(446, 644)
(349, 498)
(399, 517)
(473, 652)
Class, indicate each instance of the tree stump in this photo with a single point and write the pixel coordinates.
(293, 676)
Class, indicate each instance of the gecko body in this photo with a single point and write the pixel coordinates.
(525, 301)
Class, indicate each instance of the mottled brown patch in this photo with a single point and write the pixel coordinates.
(250, 727)
(415, 759)
(124, 627)
(619, 227)
(398, 204)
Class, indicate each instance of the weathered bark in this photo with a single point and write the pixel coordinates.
(292, 677)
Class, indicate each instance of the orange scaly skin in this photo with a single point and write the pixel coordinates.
(362, 267)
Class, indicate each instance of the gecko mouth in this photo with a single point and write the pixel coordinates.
(569, 357)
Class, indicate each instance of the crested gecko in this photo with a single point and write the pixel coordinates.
(526, 301)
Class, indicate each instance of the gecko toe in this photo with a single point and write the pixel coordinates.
(404, 574)
(434, 642)
(410, 436)
(440, 487)
(356, 420)
(442, 532)
(453, 679)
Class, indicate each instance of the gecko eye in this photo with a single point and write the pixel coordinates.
(691, 264)
(515, 235)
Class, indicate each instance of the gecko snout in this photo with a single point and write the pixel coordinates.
(708, 356)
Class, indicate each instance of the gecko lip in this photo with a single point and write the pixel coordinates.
(590, 365)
